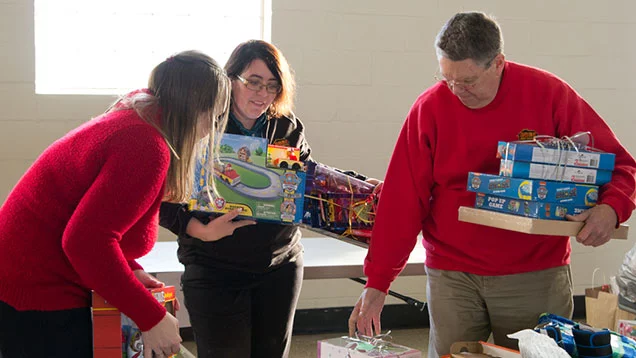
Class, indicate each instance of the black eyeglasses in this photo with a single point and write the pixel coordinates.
(256, 85)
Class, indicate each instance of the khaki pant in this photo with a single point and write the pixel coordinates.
(467, 307)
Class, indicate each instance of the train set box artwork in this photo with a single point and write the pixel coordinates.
(266, 182)
(339, 205)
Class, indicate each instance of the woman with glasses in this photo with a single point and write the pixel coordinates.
(241, 290)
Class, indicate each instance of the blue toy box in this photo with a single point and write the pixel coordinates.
(249, 175)
(533, 189)
(531, 152)
(532, 209)
(515, 169)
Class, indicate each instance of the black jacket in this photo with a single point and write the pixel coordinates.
(254, 248)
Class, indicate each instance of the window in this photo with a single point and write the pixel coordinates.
(110, 47)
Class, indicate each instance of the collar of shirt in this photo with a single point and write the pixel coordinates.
(256, 130)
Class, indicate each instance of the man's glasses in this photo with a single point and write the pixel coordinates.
(464, 85)
(256, 85)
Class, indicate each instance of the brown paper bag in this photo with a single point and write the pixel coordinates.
(600, 308)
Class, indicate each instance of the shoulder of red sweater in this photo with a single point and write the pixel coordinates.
(126, 130)
(433, 93)
(127, 122)
(517, 70)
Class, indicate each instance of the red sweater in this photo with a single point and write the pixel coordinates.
(81, 214)
(442, 140)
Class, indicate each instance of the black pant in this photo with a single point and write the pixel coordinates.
(26, 334)
(242, 315)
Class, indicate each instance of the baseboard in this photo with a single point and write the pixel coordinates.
(402, 316)
(321, 320)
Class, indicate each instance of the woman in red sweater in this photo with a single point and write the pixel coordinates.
(88, 207)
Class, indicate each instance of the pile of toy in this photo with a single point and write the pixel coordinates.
(544, 178)
(270, 183)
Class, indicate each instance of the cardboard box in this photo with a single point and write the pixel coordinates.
(532, 209)
(531, 152)
(533, 189)
(266, 182)
(479, 350)
(114, 334)
(516, 169)
(348, 347)
(528, 225)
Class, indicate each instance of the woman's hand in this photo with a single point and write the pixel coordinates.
(217, 228)
(163, 339)
(149, 281)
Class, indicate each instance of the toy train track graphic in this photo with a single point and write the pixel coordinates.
(227, 174)
(264, 181)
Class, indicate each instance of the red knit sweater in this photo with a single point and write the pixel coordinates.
(442, 140)
(81, 214)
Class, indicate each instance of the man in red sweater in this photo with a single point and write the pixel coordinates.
(481, 279)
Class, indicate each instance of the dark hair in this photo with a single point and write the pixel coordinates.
(251, 50)
(470, 35)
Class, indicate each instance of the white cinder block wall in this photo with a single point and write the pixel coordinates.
(360, 65)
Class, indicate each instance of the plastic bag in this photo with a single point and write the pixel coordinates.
(536, 345)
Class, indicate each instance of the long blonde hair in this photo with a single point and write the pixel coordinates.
(183, 88)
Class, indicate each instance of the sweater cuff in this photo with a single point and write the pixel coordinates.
(151, 317)
(621, 210)
(378, 283)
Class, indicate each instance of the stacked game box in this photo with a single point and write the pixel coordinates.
(540, 199)
(542, 180)
(559, 162)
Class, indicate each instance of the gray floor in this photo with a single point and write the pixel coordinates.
(305, 346)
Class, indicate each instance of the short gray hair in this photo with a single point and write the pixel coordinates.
(470, 35)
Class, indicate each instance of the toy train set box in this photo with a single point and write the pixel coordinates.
(338, 205)
(267, 182)
(116, 335)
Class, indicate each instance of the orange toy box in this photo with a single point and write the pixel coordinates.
(116, 335)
